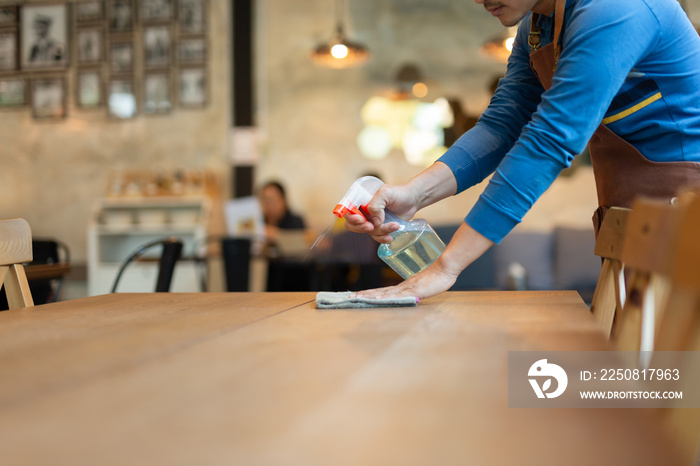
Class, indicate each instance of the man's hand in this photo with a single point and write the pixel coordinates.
(431, 281)
(433, 184)
(466, 246)
(398, 199)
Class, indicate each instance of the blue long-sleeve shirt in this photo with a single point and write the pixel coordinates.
(632, 64)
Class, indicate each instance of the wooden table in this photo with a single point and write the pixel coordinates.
(256, 378)
(47, 271)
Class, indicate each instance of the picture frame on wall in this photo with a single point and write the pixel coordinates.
(90, 46)
(44, 36)
(156, 44)
(192, 51)
(8, 16)
(91, 11)
(121, 16)
(89, 89)
(49, 98)
(121, 99)
(156, 11)
(156, 93)
(13, 92)
(192, 16)
(8, 50)
(192, 85)
(121, 56)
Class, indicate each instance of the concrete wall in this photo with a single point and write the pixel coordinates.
(51, 171)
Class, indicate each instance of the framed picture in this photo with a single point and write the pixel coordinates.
(89, 11)
(156, 11)
(192, 16)
(49, 98)
(121, 100)
(13, 92)
(8, 51)
(90, 46)
(89, 89)
(156, 93)
(193, 87)
(8, 16)
(121, 56)
(192, 51)
(121, 16)
(156, 44)
(44, 36)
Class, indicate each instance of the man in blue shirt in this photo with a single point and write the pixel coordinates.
(624, 75)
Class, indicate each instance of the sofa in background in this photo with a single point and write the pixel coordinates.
(561, 259)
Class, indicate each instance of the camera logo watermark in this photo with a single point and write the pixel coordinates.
(547, 371)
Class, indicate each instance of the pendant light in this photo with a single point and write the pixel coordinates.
(340, 52)
(500, 46)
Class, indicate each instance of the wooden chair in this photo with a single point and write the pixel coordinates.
(649, 237)
(15, 250)
(679, 329)
(609, 294)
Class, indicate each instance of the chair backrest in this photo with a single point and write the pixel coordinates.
(679, 329)
(609, 294)
(15, 249)
(171, 252)
(649, 237)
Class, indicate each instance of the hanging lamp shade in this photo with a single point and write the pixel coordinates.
(340, 52)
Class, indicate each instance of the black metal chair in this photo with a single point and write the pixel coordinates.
(172, 250)
(48, 251)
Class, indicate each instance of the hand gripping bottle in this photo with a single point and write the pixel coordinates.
(415, 244)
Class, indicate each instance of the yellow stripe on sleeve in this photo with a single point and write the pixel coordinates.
(631, 110)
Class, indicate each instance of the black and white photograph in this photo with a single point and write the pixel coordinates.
(121, 101)
(89, 89)
(193, 87)
(8, 51)
(121, 16)
(89, 11)
(8, 15)
(192, 16)
(44, 36)
(156, 93)
(13, 92)
(156, 11)
(90, 45)
(156, 44)
(49, 98)
(192, 51)
(121, 55)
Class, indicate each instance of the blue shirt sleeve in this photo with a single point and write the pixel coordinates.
(528, 136)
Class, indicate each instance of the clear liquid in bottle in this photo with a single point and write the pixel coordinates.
(412, 249)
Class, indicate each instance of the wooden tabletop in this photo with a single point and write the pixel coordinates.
(265, 378)
(47, 271)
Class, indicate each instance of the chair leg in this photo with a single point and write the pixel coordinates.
(17, 287)
(605, 301)
(627, 331)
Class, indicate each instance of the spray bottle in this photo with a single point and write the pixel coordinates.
(414, 246)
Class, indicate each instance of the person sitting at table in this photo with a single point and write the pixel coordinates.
(283, 275)
(276, 211)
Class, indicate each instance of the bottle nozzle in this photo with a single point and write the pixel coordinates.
(357, 197)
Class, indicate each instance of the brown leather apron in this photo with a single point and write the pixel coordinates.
(621, 172)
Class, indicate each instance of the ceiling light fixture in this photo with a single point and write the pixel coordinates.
(340, 52)
(500, 46)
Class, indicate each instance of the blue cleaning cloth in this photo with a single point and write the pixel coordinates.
(343, 300)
